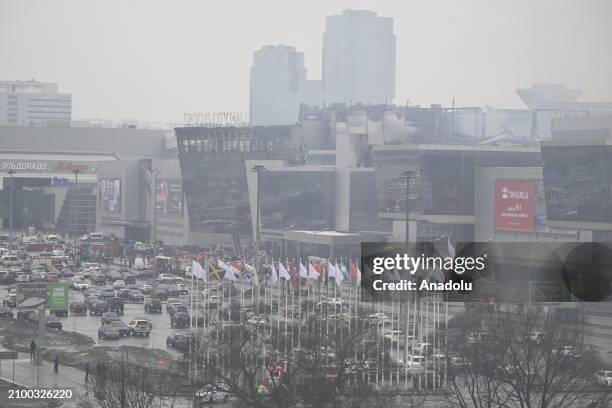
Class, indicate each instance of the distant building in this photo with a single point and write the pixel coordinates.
(359, 58)
(33, 103)
(275, 79)
(358, 67)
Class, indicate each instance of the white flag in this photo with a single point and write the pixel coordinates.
(273, 275)
(303, 271)
(338, 276)
(198, 271)
(312, 272)
(253, 272)
(229, 271)
(451, 250)
(282, 272)
(331, 271)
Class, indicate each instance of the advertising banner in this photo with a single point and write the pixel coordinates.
(514, 205)
(31, 296)
(109, 194)
(57, 296)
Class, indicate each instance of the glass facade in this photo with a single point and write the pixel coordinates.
(577, 183)
(297, 200)
(214, 174)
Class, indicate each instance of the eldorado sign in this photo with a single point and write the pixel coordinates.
(514, 205)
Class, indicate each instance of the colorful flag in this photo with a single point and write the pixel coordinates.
(303, 271)
(230, 274)
(312, 272)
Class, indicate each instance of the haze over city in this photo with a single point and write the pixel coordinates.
(155, 60)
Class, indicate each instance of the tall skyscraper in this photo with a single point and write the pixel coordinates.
(358, 66)
(33, 103)
(275, 78)
(359, 58)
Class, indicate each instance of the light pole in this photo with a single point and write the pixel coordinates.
(11, 172)
(408, 175)
(75, 211)
(154, 173)
(258, 169)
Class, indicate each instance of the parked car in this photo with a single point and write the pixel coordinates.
(147, 289)
(81, 286)
(78, 308)
(604, 377)
(115, 304)
(10, 300)
(171, 304)
(108, 332)
(6, 311)
(212, 394)
(160, 294)
(97, 308)
(179, 341)
(109, 317)
(99, 280)
(121, 327)
(107, 293)
(119, 284)
(136, 296)
(53, 322)
(140, 327)
(182, 289)
(153, 306)
(180, 320)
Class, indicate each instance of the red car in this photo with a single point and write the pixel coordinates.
(52, 277)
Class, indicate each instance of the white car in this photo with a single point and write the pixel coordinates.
(413, 363)
(393, 335)
(80, 286)
(257, 320)
(604, 377)
(378, 317)
(119, 284)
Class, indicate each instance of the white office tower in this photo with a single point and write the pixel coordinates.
(359, 58)
(275, 78)
(33, 103)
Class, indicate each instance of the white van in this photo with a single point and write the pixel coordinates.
(10, 260)
(52, 238)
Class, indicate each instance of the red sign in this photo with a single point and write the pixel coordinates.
(514, 205)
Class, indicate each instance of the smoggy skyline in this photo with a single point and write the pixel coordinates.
(155, 60)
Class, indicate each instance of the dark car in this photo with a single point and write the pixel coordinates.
(115, 304)
(6, 311)
(136, 296)
(109, 317)
(171, 290)
(52, 322)
(160, 294)
(178, 341)
(27, 315)
(78, 308)
(180, 320)
(108, 332)
(107, 293)
(10, 300)
(130, 280)
(180, 308)
(90, 299)
(97, 308)
(121, 327)
(153, 306)
(99, 280)
(123, 293)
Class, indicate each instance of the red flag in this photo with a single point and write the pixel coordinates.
(294, 275)
(353, 270)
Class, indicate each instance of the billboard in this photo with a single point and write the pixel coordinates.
(57, 296)
(514, 205)
(109, 194)
(31, 296)
(169, 196)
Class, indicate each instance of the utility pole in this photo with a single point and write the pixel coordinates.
(258, 169)
(76, 218)
(11, 172)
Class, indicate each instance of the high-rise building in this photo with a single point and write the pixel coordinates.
(33, 103)
(275, 78)
(359, 58)
(358, 67)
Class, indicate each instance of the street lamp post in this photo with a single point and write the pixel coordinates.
(258, 169)
(154, 173)
(407, 175)
(75, 218)
(11, 172)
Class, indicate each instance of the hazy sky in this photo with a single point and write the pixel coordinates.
(155, 60)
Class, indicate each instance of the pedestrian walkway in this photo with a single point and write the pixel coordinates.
(28, 374)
